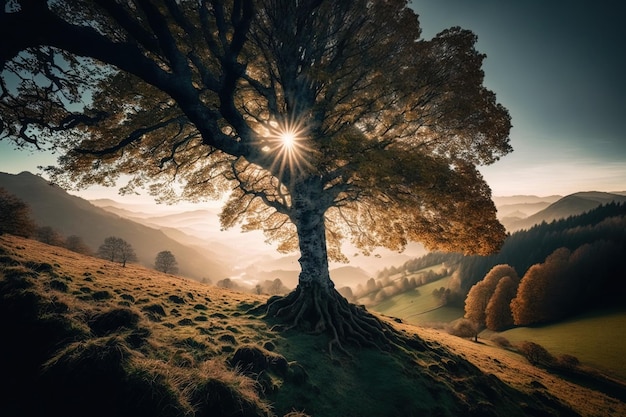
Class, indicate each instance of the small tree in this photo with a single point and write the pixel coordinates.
(277, 287)
(127, 253)
(166, 262)
(465, 328)
(535, 353)
(116, 249)
(14, 216)
(49, 236)
(76, 244)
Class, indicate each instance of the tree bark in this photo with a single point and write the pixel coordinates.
(308, 217)
(315, 305)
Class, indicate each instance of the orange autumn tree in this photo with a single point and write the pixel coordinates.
(323, 121)
(479, 306)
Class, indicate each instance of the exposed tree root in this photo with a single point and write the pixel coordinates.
(317, 310)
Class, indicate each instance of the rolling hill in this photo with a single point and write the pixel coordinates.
(71, 215)
(85, 337)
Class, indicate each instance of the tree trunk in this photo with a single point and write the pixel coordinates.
(315, 305)
(308, 218)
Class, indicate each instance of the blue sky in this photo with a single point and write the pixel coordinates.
(556, 65)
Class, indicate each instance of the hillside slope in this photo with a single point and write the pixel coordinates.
(71, 215)
(92, 338)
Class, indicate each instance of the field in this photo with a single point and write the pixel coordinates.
(420, 306)
(161, 345)
(598, 339)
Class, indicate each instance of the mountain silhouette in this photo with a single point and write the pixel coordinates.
(70, 215)
(567, 206)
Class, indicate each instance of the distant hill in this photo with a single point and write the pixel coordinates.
(70, 215)
(565, 207)
(524, 199)
(513, 209)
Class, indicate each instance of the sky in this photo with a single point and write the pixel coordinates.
(556, 65)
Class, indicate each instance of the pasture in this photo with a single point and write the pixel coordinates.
(597, 339)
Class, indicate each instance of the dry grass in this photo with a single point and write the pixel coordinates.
(169, 334)
(160, 345)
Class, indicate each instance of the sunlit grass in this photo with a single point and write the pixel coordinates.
(419, 306)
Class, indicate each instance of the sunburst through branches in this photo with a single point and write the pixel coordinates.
(287, 143)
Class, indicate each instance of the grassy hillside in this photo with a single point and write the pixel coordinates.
(414, 304)
(85, 337)
(597, 339)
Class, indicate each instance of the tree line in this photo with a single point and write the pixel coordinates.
(568, 281)
(546, 273)
(525, 248)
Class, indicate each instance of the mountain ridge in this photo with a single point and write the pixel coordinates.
(570, 205)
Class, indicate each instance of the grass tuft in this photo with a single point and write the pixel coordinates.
(113, 320)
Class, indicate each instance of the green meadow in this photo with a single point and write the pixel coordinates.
(596, 339)
(420, 306)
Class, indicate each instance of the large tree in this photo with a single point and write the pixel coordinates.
(321, 120)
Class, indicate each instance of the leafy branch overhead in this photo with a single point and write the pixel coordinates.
(321, 121)
(194, 91)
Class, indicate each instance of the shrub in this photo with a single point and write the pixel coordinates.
(463, 328)
(567, 361)
(39, 266)
(113, 320)
(58, 285)
(155, 311)
(102, 295)
(501, 341)
(253, 359)
(535, 353)
(217, 397)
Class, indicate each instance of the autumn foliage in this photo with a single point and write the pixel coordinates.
(486, 303)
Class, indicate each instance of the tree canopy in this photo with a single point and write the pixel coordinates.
(116, 249)
(15, 215)
(320, 120)
(165, 262)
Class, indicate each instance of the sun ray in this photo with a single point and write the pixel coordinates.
(287, 142)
